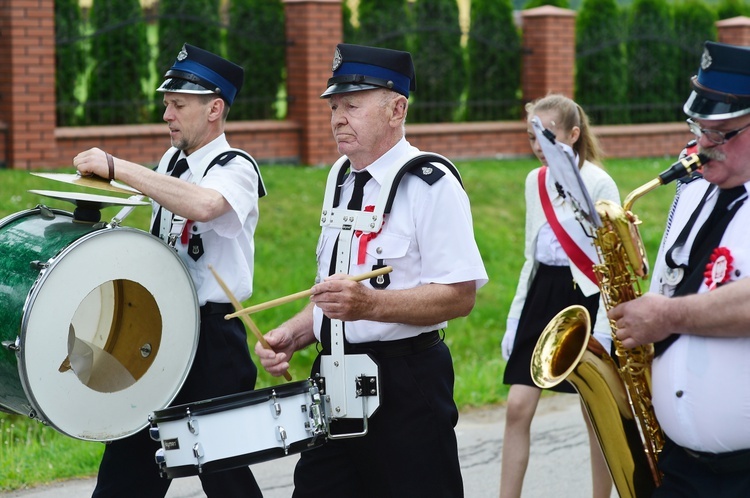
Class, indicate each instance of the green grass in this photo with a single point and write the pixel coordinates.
(285, 263)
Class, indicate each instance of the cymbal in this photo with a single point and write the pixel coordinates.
(88, 200)
(89, 181)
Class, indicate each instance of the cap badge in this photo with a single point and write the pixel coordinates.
(706, 59)
(182, 55)
(336, 59)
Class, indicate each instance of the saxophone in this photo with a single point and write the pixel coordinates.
(615, 392)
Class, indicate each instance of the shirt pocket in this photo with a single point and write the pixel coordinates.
(387, 249)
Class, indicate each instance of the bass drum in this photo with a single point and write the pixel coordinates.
(99, 325)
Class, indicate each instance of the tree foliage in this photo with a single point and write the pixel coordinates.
(69, 59)
(600, 79)
(564, 4)
(439, 61)
(695, 22)
(494, 62)
(255, 41)
(383, 23)
(652, 61)
(195, 22)
(119, 53)
(350, 32)
(727, 9)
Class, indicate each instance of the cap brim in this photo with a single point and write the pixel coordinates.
(701, 107)
(346, 88)
(178, 85)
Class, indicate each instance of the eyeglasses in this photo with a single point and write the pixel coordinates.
(715, 136)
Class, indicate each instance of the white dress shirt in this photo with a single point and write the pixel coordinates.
(700, 393)
(227, 240)
(427, 238)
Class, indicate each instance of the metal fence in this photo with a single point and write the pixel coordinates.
(658, 61)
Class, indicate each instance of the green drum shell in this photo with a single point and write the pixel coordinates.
(28, 240)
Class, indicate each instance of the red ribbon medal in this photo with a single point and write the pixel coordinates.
(719, 268)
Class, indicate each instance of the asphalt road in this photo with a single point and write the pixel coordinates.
(559, 463)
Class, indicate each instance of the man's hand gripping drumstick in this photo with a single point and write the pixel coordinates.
(248, 321)
(306, 293)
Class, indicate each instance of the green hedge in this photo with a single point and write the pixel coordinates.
(439, 61)
(633, 63)
(494, 62)
(119, 56)
(255, 41)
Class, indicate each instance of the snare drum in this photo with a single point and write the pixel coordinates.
(239, 429)
(99, 325)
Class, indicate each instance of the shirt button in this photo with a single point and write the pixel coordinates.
(679, 393)
(379, 250)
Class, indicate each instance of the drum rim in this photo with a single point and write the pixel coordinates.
(244, 459)
(231, 401)
(26, 212)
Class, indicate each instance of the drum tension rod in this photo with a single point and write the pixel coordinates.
(38, 265)
(12, 345)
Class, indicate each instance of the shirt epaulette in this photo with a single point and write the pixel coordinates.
(428, 173)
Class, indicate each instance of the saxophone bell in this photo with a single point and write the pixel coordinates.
(566, 351)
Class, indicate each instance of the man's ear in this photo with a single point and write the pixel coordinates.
(400, 106)
(217, 109)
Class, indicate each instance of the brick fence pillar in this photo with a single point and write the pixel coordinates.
(27, 82)
(549, 52)
(313, 29)
(734, 31)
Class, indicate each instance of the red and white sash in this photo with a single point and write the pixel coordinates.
(578, 255)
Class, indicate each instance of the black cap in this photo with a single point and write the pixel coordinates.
(721, 90)
(356, 68)
(199, 71)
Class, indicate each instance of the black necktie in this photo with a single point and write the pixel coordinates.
(355, 203)
(360, 180)
(176, 170)
(715, 224)
(708, 238)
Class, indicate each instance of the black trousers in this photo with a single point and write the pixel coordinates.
(686, 476)
(410, 449)
(222, 366)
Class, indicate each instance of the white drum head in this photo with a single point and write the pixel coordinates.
(109, 333)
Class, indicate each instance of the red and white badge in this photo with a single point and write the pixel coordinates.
(719, 268)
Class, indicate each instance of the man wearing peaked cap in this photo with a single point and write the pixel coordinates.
(697, 312)
(356, 67)
(205, 204)
(397, 319)
(721, 89)
(200, 72)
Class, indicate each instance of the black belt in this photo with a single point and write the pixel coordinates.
(400, 347)
(720, 463)
(216, 309)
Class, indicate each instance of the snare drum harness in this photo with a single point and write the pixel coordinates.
(366, 224)
(169, 226)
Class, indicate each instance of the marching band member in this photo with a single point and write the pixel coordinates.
(215, 188)
(696, 313)
(427, 237)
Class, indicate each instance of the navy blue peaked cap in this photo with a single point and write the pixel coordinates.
(356, 68)
(721, 90)
(201, 72)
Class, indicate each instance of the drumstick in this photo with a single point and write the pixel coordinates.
(305, 293)
(248, 321)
